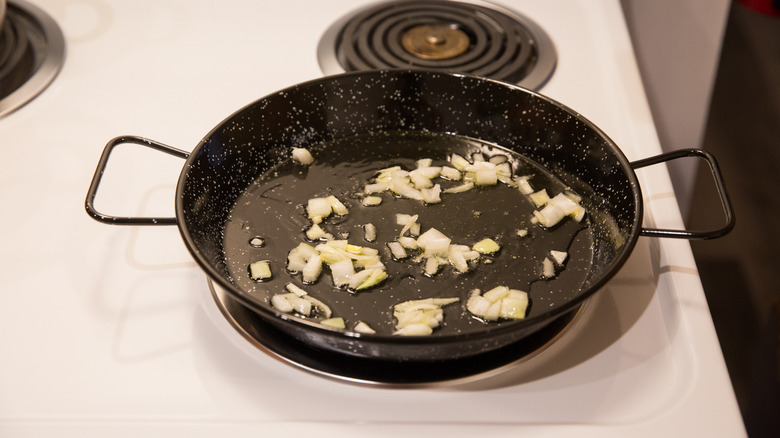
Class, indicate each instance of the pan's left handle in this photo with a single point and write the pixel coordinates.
(93, 187)
(719, 185)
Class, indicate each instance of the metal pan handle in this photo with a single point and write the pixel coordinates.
(719, 185)
(93, 187)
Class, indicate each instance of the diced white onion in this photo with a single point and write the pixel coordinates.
(342, 271)
(450, 173)
(312, 270)
(318, 208)
(432, 195)
(337, 206)
(548, 268)
(559, 257)
(397, 250)
(260, 270)
(370, 201)
(302, 156)
(433, 242)
(460, 189)
(549, 216)
(486, 177)
(362, 327)
(369, 231)
(539, 198)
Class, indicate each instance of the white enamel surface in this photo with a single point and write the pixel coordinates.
(110, 331)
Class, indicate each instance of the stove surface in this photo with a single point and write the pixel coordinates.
(112, 331)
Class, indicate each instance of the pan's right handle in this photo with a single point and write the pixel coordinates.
(720, 186)
(93, 187)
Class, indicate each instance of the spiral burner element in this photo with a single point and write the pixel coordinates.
(475, 38)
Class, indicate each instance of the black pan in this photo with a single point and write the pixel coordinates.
(406, 115)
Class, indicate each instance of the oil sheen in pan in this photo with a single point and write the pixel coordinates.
(273, 208)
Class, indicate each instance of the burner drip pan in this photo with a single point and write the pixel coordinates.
(374, 372)
(32, 50)
(474, 38)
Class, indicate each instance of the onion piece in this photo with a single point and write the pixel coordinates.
(318, 209)
(408, 242)
(295, 289)
(549, 216)
(486, 177)
(499, 302)
(371, 201)
(433, 242)
(260, 270)
(337, 206)
(548, 268)
(279, 302)
(486, 246)
(450, 173)
(420, 317)
(431, 195)
(377, 276)
(559, 257)
(523, 185)
(302, 156)
(312, 270)
(342, 271)
(460, 189)
(539, 198)
(334, 322)
(362, 327)
(369, 232)
(397, 250)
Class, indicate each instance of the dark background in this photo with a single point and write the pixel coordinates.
(741, 272)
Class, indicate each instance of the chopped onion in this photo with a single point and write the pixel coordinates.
(260, 270)
(559, 257)
(486, 246)
(460, 189)
(424, 162)
(522, 232)
(302, 156)
(338, 207)
(281, 304)
(371, 201)
(432, 195)
(523, 185)
(459, 162)
(334, 322)
(362, 327)
(539, 198)
(499, 302)
(420, 317)
(486, 177)
(295, 289)
(315, 232)
(397, 250)
(549, 216)
(342, 271)
(433, 242)
(375, 188)
(408, 242)
(312, 270)
(369, 231)
(432, 266)
(548, 268)
(458, 260)
(318, 209)
(450, 173)
(377, 276)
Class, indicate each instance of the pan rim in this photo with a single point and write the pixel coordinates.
(437, 338)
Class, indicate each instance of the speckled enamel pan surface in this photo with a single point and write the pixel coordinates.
(261, 135)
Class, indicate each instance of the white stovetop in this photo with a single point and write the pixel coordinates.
(110, 331)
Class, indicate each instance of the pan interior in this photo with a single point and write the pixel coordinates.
(452, 111)
(273, 209)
